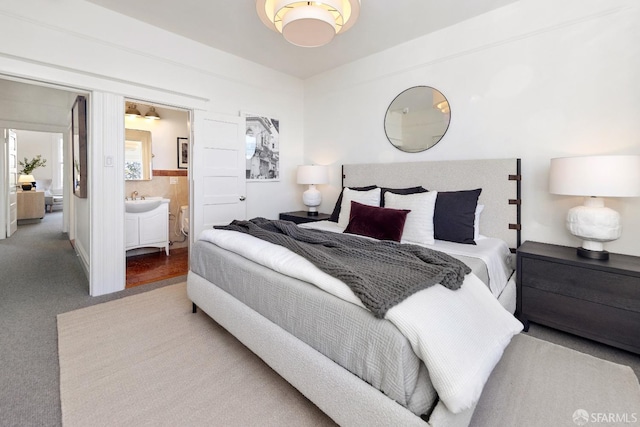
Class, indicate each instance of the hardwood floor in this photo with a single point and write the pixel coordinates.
(148, 268)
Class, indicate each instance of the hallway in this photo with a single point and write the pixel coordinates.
(40, 277)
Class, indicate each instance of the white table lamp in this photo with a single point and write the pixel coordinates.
(312, 175)
(595, 177)
(26, 181)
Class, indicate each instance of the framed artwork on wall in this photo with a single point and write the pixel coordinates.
(262, 143)
(183, 153)
(79, 146)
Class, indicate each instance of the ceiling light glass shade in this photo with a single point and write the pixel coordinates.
(152, 114)
(308, 24)
(132, 111)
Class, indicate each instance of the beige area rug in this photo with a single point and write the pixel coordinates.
(146, 360)
(540, 384)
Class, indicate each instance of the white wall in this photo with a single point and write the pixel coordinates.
(535, 80)
(77, 44)
(79, 36)
(164, 134)
(31, 144)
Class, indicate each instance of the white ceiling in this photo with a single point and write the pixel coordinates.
(233, 26)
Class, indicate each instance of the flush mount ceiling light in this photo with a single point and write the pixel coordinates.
(308, 23)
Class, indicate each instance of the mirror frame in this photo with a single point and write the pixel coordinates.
(429, 138)
(79, 146)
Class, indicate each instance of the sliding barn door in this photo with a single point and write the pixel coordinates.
(217, 171)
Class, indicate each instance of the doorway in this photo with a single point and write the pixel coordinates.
(36, 123)
(157, 140)
(41, 156)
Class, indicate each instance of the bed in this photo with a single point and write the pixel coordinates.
(322, 343)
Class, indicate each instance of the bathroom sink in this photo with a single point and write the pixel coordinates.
(139, 205)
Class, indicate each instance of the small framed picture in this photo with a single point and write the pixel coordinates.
(183, 153)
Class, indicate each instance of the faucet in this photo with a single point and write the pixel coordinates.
(134, 195)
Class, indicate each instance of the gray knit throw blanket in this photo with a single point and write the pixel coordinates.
(380, 273)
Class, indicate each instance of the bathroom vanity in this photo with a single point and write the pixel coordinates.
(147, 224)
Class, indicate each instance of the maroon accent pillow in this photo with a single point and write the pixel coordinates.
(376, 222)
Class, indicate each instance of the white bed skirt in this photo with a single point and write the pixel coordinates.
(508, 296)
(347, 399)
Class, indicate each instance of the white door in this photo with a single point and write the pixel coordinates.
(12, 199)
(217, 171)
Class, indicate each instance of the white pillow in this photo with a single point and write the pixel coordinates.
(476, 222)
(371, 198)
(418, 228)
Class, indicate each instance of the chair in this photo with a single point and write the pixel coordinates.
(53, 199)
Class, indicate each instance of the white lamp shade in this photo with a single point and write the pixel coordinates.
(601, 176)
(26, 178)
(313, 174)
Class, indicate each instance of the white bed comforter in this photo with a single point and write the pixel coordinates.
(459, 335)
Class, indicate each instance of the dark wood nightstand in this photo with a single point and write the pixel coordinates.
(599, 300)
(300, 217)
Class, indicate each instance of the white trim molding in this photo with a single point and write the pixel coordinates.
(107, 271)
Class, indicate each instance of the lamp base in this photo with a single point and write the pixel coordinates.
(312, 198)
(595, 224)
(587, 253)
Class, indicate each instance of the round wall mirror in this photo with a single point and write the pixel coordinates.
(417, 119)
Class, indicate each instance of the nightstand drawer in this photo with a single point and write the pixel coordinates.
(591, 298)
(601, 287)
(613, 326)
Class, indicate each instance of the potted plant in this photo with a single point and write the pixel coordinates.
(28, 166)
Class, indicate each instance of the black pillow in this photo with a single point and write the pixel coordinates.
(454, 215)
(403, 191)
(336, 209)
(376, 222)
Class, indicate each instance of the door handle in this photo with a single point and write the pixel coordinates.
(242, 198)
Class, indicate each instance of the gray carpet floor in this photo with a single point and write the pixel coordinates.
(41, 277)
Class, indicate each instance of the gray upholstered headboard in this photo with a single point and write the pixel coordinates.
(498, 178)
